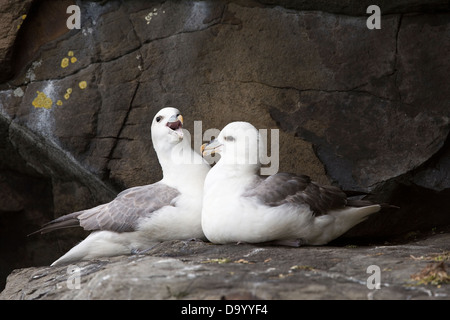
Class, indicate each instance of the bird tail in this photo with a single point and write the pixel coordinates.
(335, 223)
(367, 203)
(351, 216)
(97, 245)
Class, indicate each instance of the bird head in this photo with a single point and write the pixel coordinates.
(237, 144)
(167, 128)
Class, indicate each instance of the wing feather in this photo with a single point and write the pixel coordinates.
(123, 213)
(283, 188)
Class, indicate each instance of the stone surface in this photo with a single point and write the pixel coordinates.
(198, 270)
(366, 110)
(12, 16)
(358, 8)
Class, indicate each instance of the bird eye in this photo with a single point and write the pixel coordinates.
(158, 119)
(229, 138)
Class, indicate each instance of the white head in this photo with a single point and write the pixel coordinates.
(167, 129)
(237, 144)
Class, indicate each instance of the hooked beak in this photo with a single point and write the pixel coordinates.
(175, 122)
(211, 148)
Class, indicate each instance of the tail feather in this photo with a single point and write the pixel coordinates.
(67, 221)
(366, 203)
(351, 216)
(334, 224)
(101, 244)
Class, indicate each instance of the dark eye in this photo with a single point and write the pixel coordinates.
(158, 119)
(229, 138)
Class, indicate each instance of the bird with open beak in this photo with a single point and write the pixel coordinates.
(142, 216)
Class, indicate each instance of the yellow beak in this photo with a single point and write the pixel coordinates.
(211, 148)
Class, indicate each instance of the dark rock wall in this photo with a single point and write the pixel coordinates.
(367, 110)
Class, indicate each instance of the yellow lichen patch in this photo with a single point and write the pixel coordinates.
(64, 62)
(59, 103)
(24, 16)
(42, 101)
(68, 92)
(82, 84)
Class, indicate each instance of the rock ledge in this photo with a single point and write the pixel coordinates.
(200, 270)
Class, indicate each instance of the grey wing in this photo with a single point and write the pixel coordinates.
(283, 188)
(123, 213)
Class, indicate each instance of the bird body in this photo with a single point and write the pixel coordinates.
(142, 216)
(241, 206)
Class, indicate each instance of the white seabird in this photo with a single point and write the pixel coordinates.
(241, 206)
(141, 216)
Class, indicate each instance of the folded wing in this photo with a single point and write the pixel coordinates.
(286, 188)
(123, 213)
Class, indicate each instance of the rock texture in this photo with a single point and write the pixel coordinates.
(12, 15)
(197, 270)
(367, 110)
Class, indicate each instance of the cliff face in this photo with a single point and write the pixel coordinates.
(367, 110)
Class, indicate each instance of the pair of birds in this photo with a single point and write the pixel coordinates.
(227, 203)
